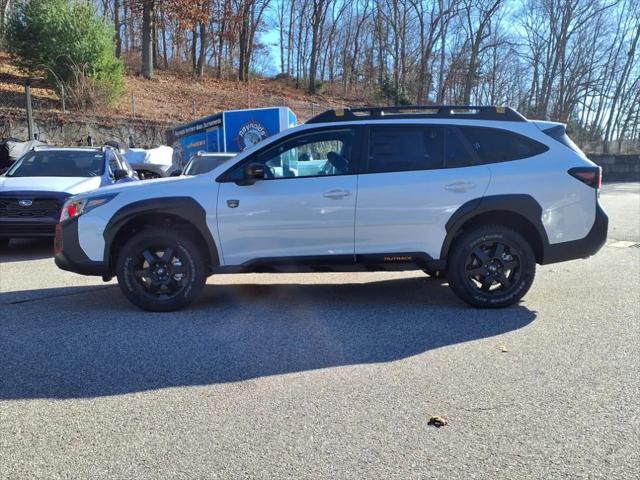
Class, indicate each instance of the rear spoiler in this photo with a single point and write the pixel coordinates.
(546, 125)
(558, 131)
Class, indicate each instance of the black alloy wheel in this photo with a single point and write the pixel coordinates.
(491, 266)
(161, 271)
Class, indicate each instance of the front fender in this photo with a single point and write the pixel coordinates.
(185, 208)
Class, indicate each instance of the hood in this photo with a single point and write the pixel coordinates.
(165, 184)
(71, 185)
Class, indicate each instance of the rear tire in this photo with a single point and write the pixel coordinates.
(491, 267)
(160, 271)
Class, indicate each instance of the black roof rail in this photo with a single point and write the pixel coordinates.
(475, 112)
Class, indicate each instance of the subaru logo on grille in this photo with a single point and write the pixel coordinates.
(25, 203)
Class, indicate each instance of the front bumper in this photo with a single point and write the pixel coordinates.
(27, 228)
(584, 247)
(69, 255)
(37, 218)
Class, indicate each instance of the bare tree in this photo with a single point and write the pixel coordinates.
(148, 7)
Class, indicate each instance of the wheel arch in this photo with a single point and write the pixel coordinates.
(522, 213)
(182, 214)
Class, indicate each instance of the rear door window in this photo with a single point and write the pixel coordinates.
(456, 152)
(405, 148)
(493, 145)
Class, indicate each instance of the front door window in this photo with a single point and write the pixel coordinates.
(311, 155)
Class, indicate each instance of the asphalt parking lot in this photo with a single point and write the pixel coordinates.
(325, 375)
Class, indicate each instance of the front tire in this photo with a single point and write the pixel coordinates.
(160, 271)
(491, 267)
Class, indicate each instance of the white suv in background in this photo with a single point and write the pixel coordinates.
(480, 193)
(34, 189)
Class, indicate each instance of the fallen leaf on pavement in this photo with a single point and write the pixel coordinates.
(437, 421)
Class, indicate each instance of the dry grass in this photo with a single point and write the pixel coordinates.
(12, 89)
(170, 96)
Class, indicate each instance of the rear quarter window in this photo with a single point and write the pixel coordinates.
(559, 134)
(493, 145)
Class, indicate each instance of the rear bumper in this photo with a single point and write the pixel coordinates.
(69, 255)
(582, 248)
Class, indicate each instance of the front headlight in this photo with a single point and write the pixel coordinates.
(76, 206)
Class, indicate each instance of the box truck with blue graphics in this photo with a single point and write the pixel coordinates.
(231, 131)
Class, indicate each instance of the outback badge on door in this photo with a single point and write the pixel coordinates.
(233, 203)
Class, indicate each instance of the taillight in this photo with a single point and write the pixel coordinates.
(591, 176)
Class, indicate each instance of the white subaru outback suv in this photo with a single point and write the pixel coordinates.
(480, 193)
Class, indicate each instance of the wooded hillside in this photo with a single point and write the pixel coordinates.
(574, 61)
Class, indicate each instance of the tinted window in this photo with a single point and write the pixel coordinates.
(493, 145)
(313, 154)
(59, 163)
(406, 148)
(559, 133)
(456, 154)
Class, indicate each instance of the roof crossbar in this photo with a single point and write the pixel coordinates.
(474, 112)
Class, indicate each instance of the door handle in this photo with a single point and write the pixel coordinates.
(336, 194)
(460, 186)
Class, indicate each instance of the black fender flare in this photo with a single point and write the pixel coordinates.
(186, 208)
(521, 204)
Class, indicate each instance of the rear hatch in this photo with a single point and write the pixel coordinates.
(590, 175)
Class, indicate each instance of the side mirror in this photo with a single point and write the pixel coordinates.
(176, 173)
(253, 172)
(119, 174)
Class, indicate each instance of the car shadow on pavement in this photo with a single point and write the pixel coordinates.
(20, 250)
(92, 343)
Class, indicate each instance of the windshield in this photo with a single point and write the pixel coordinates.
(203, 164)
(58, 163)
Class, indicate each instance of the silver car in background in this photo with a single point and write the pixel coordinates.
(203, 162)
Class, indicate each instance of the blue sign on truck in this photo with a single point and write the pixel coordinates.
(231, 131)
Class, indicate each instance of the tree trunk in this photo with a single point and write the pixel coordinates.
(281, 10)
(154, 36)
(203, 49)
(165, 56)
(116, 24)
(317, 20)
(147, 40)
(194, 50)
